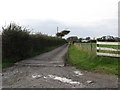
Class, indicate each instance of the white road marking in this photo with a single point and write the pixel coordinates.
(65, 80)
(89, 82)
(45, 77)
(78, 73)
(36, 76)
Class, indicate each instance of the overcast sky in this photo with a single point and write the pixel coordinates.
(83, 18)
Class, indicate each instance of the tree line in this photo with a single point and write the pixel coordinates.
(107, 38)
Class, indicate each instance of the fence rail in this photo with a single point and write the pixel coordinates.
(109, 43)
(107, 49)
(108, 54)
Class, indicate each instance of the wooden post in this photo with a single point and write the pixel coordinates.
(57, 29)
(97, 45)
(91, 45)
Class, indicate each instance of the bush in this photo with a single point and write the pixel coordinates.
(15, 42)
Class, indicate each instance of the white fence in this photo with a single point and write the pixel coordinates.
(108, 49)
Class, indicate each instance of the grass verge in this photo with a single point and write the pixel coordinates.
(85, 59)
(9, 62)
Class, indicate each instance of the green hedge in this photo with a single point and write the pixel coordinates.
(18, 43)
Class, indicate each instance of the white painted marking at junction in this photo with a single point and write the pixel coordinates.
(36, 76)
(78, 73)
(65, 80)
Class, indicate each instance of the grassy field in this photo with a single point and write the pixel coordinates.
(94, 45)
(85, 59)
(7, 63)
(112, 52)
(110, 46)
(88, 46)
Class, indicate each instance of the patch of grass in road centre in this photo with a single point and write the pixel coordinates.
(10, 62)
(87, 60)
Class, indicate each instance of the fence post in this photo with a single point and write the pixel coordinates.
(91, 45)
(97, 45)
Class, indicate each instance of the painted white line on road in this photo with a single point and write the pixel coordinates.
(65, 80)
(36, 76)
(45, 77)
(78, 73)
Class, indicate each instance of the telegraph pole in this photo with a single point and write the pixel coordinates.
(57, 29)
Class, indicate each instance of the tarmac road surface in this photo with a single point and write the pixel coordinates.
(48, 71)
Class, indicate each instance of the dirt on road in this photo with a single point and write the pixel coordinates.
(48, 71)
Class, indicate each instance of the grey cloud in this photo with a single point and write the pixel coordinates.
(105, 27)
(46, 27)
